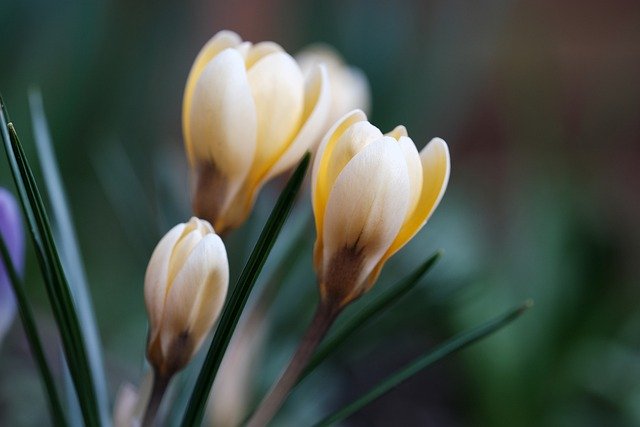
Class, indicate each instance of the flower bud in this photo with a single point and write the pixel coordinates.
(348, 86)
(12, 235)
(248, 115)
(184, 290)
(371, 194)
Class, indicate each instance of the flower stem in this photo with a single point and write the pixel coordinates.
(159, 388)
(325, 315)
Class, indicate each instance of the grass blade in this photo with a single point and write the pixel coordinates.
(233, 309)
(55, 280)
(29, 324)
(456, 343)
(372, 309)
(71, 259)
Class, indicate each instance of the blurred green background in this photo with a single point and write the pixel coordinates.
(540, 104)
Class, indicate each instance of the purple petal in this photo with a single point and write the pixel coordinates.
(12, 234)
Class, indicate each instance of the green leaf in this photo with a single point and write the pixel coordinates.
(233, 309)
(368, 312)
(127, 196)
(29, 324)
(456, 343)
(69, 252)
(57, 287)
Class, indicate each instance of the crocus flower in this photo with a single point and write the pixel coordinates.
(371, 194)
(248, 115)
(12, 235)
(348, 85)
(184, 289)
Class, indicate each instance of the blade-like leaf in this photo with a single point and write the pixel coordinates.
(368, 312)
(456, 343)
(29, 324)
(238, 299)
(127, 196)
(57, 287)
(66, 238)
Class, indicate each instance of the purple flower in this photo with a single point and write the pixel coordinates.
(12, 234)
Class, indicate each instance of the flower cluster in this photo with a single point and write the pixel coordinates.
(249, 113)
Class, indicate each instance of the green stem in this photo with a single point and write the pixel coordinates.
(158, 390)
(28, 322)
(322, 321)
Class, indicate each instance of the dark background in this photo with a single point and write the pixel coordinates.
(539, 102)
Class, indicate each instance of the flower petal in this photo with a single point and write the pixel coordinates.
(223, 120)
(219, 42)
(155, 280)
(367, 205)
(197, 295)
(277, 87)
(317, 102)
(414, 165)
(320, 189)
(436, 165)
(354, 139)
(398, 132)
(259, 51)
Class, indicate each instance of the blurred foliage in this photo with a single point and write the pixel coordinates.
(540, 104)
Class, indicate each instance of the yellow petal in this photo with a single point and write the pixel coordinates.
(219, 42)
(354, 139)
(348, 85)
(197, 294)
(223, 120)
(436, 165)
(193, 232)
(351, 91)
(320, 188)
(278, 91)
(367, 205)
(259, 51)
(155, 280)
(412, 157)
(317, 102)
(398, 132)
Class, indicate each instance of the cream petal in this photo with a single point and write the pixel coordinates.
(367, 204)
(317, 102)
(351, 90)
(181, 252)
(278, 91)
(211, 298)
(259, 51)
(155, 280)
(414, 166)
(317, 54)
(222, 40)
(436, 165)
(354, 139)
(320, 188)
(200, 284)
(224, 119)
(398, 132)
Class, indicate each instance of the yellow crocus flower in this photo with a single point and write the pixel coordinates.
(371, 194)
(248, 115)
(184, 290)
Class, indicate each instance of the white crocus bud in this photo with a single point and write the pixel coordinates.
(348, 85)
(184, 289)
(371, 194)
(248, 115)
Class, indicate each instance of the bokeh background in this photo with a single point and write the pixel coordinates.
(540, 104)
